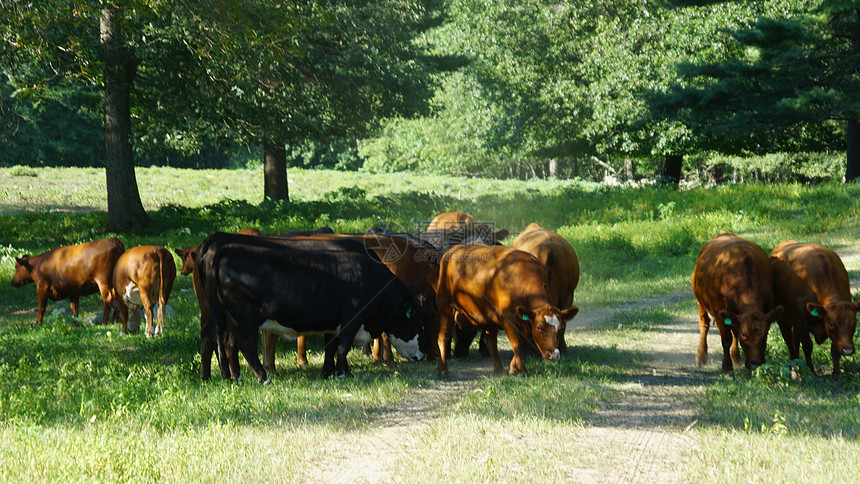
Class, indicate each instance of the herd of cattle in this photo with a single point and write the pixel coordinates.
(417, 290)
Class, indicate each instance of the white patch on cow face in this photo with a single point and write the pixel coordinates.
(273, 326)
(131, 295)
(552, 320)
(409, 349)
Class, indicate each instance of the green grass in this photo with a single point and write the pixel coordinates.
(80, 404)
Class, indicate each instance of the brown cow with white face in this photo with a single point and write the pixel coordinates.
(71, 272)
(733, 284)
(143, 277)
(451, 221)
(562, 267)
(496, 287)
(812, 283)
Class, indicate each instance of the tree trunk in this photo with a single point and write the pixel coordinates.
(672, 170)
(275, 171)
(553, 167)
(852, 167)
(125, 210)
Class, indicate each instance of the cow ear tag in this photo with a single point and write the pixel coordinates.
(525, 318)
(815, 312)
(728, 322)
(408, 313)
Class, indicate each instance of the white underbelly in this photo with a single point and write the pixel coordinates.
(273, 326)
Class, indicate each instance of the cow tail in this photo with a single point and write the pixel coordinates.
(163, 290)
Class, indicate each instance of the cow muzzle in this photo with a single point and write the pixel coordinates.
(553, 355)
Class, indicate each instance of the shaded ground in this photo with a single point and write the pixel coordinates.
(640, 438)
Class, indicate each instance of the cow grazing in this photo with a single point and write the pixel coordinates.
(812, 284)
(71, 272)
(347, 295)
(143, 277)
(451, 221)
(189, 257)
(733, 284)
(416, 266)
(494, 287)
(562, 267)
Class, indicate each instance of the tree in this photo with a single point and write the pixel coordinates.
(306, 70)
(791, 86)
(83, 42)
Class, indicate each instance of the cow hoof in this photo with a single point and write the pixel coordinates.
(267, 381)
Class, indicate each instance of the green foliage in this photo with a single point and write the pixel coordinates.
(789, 78)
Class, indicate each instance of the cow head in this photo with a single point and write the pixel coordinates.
(407, 335)
(839, 322)
(546, 323)
(23, 271)
(189, 259)
(750, 328)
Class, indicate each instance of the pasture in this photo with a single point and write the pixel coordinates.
(80, 403)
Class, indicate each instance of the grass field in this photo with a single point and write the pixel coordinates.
(79, 403)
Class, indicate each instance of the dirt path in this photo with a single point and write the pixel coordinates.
(639, 438)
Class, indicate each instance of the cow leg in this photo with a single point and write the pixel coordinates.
(729, 343)
(704, 326)
(74, 304)
(786, 329)
(443, 339)
(562, 346)
(302, 351)
(123, 316)
(248, 347)
(343, 348)
(330, 344)
(146, 302)
(804, 340)
(207, 347)
(42, 295)
(491, 341)
(465, 336)
(835, 355)
(735, 352)
(269, 342)
(387, 355)
(159, 328)
(104, 290)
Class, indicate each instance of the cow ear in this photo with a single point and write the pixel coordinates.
(524, 313)
(857, 306)
(727, 316)
(24, 260)
(775, 314)
(500, 235)
(180, 253)
(816, 310)
(569, 313)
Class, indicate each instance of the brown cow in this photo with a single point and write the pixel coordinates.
(71, 272)
(812, 283)
(414, 265)
(562, 267)
(496, 287)
(451, 221)
(143, 277)
(733, 284)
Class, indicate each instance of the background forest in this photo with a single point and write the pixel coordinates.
(725, 91)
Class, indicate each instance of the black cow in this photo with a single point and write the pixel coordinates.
(343, 294)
